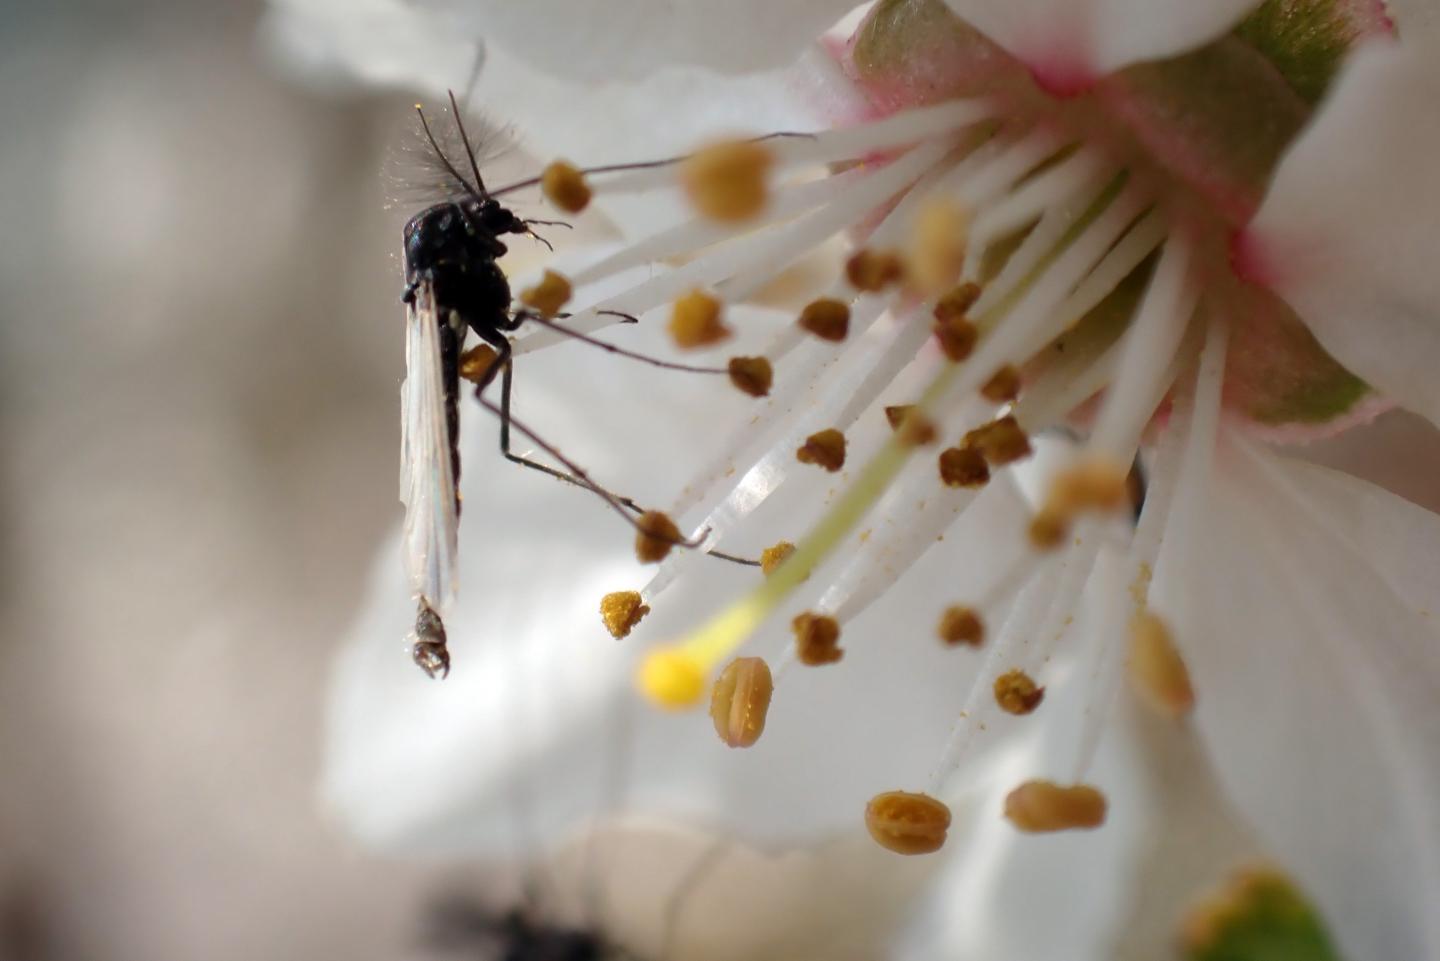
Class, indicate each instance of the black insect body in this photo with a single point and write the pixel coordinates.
(453, 285)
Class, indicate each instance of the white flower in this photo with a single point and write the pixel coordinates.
(1299, 597)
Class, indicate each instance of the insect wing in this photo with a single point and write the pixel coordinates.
(427, 481)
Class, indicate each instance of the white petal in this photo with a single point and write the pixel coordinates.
(1347, 233)
(835, 902)
(393, 44)
(1299, 601)
(599, 42)
(1071, 42)
(530, 733)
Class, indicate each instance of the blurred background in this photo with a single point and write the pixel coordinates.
(199, 361)
(199, 365)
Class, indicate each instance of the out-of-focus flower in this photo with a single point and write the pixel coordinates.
(1194, 213)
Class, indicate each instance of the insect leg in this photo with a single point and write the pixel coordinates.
(624, 506)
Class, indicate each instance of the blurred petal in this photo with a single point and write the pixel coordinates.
(391, 43)
(840, 901)
(1071, 42)
(626, 41)
(1346, 234)
(1300, 600)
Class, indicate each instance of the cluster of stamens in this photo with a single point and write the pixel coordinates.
(919, 295)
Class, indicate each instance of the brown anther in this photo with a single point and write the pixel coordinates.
(727, 181)
(621, 611)
(1048, 530)
(937, 251)
(753, 375)
(548, 296)
(956, 337)
(824, 448)
(1095, 485)
(695, 321)
(1156, 669)
(1003, 386)
(961, 625)
(740, 700)
(1000, 441)
(1017, 693)
(916, 430)
(895, 416)
(1041, 806)
(873, 270)
(963, 467)
(907, 823)
(826, 318)
(956, 303)
(656, 534)
(817, 639)
(476, 361)
(564, 186)
(772, 557)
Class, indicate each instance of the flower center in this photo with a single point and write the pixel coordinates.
(1199, 133)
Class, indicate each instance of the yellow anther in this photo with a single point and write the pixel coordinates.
(1156, 669)
(564, 185)
(621, 611)
(937, 250)
(548, 296)
(728, 181)
(753, 375)
(476, 361)
(1017, 693)
(672, 678)
(961, 625)
(740, 701)
(907, 823)
(772, 557)
(1093, 485)
(1048, 530)
(1042, 806)
(817, 639)
(695, 321)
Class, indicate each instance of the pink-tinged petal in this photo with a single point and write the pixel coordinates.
(1300, 600)
(1068, 44)
(1347, 233)
(601, 42)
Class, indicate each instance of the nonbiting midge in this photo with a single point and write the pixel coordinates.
(454, 285)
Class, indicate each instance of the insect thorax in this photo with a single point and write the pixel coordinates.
(454, 245)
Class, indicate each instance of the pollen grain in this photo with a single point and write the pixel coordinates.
(564, 186)
(907, 823)
(621, 611)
